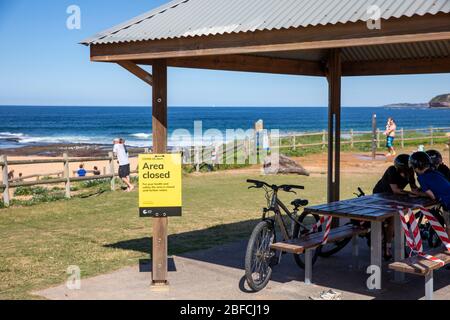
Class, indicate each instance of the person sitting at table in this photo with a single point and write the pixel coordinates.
(438, 163)
(433, 183)
(394, 181)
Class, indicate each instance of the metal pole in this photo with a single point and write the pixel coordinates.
(429, 286)
(6, 199)
(67, 174)
(374, 136)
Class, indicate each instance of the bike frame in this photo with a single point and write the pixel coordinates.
(276, 206)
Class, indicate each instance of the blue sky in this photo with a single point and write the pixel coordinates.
(41, 63)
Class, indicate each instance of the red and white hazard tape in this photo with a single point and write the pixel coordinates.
(412, 233)
(438, 228)
(327, 220)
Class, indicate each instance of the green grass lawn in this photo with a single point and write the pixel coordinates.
(101, 234)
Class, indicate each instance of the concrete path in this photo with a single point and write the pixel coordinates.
(218, 274)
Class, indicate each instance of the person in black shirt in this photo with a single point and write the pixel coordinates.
(397, 177)
(438, 163)
(394, 181)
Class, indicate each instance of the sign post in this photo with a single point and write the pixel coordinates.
(160, 193)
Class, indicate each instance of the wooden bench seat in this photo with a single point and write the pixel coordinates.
(423, 267)
(298, 246)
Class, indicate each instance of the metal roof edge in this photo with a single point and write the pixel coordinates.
(132, 21)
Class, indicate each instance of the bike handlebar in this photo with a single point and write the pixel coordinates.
(284, 187)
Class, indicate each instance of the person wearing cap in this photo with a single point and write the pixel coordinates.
(438, 163)
(394, 181)
(124, 163)
(433, 184)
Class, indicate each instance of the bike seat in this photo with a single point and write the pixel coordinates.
(299, 203)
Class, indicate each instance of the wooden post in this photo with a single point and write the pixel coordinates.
(334, 124)
(374, 136)
(352, 142)
(67, 174)
(159, 126)
(402, 137)
(5, 179)
(112, 171)
(197, 158)
(293, 142)
(378, 139)
(431, 136)
(324, 139)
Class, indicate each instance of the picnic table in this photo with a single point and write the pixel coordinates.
(376, 209)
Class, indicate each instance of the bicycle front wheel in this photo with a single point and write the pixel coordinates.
(258, 269)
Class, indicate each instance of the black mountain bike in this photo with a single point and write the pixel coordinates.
(260, 258)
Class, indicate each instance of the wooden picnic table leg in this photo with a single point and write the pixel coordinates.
(399, 247)
(308, 266)
(376, 249)
(429, 286)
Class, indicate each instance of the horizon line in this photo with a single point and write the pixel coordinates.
(206, 106)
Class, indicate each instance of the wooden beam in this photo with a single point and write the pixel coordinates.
(394, 67)
(159, 129)
(137, 71)
(395, 30)
(334, 124)
(249, 63)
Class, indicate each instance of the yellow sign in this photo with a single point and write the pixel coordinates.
(160, 185)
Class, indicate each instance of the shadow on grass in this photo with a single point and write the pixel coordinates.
(225, 245)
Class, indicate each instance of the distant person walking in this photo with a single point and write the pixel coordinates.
(391, 127)
(124, 163)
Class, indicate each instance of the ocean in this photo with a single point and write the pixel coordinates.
(26, 125)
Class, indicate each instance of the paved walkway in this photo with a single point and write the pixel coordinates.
(218, 274)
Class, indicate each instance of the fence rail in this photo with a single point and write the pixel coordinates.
(6, 184)
(196, 155)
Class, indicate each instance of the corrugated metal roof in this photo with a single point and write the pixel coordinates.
(190, 18)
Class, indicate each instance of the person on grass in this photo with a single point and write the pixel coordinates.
(394, 181)
(81, 171)
(124, 163)
(391, 127)
(438, 163)
(433, 184)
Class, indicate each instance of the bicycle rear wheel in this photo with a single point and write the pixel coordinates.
(258, 257)
(327, 250)
(307, 220)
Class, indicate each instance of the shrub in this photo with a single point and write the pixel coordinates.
(29, 191)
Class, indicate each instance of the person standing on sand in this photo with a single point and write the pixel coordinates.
(124, 163)
(391, 127)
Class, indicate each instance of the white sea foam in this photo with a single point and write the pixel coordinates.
(141, 135)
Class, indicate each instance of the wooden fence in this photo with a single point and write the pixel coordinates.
(351, 137)
(199, 155)
(61, 177)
